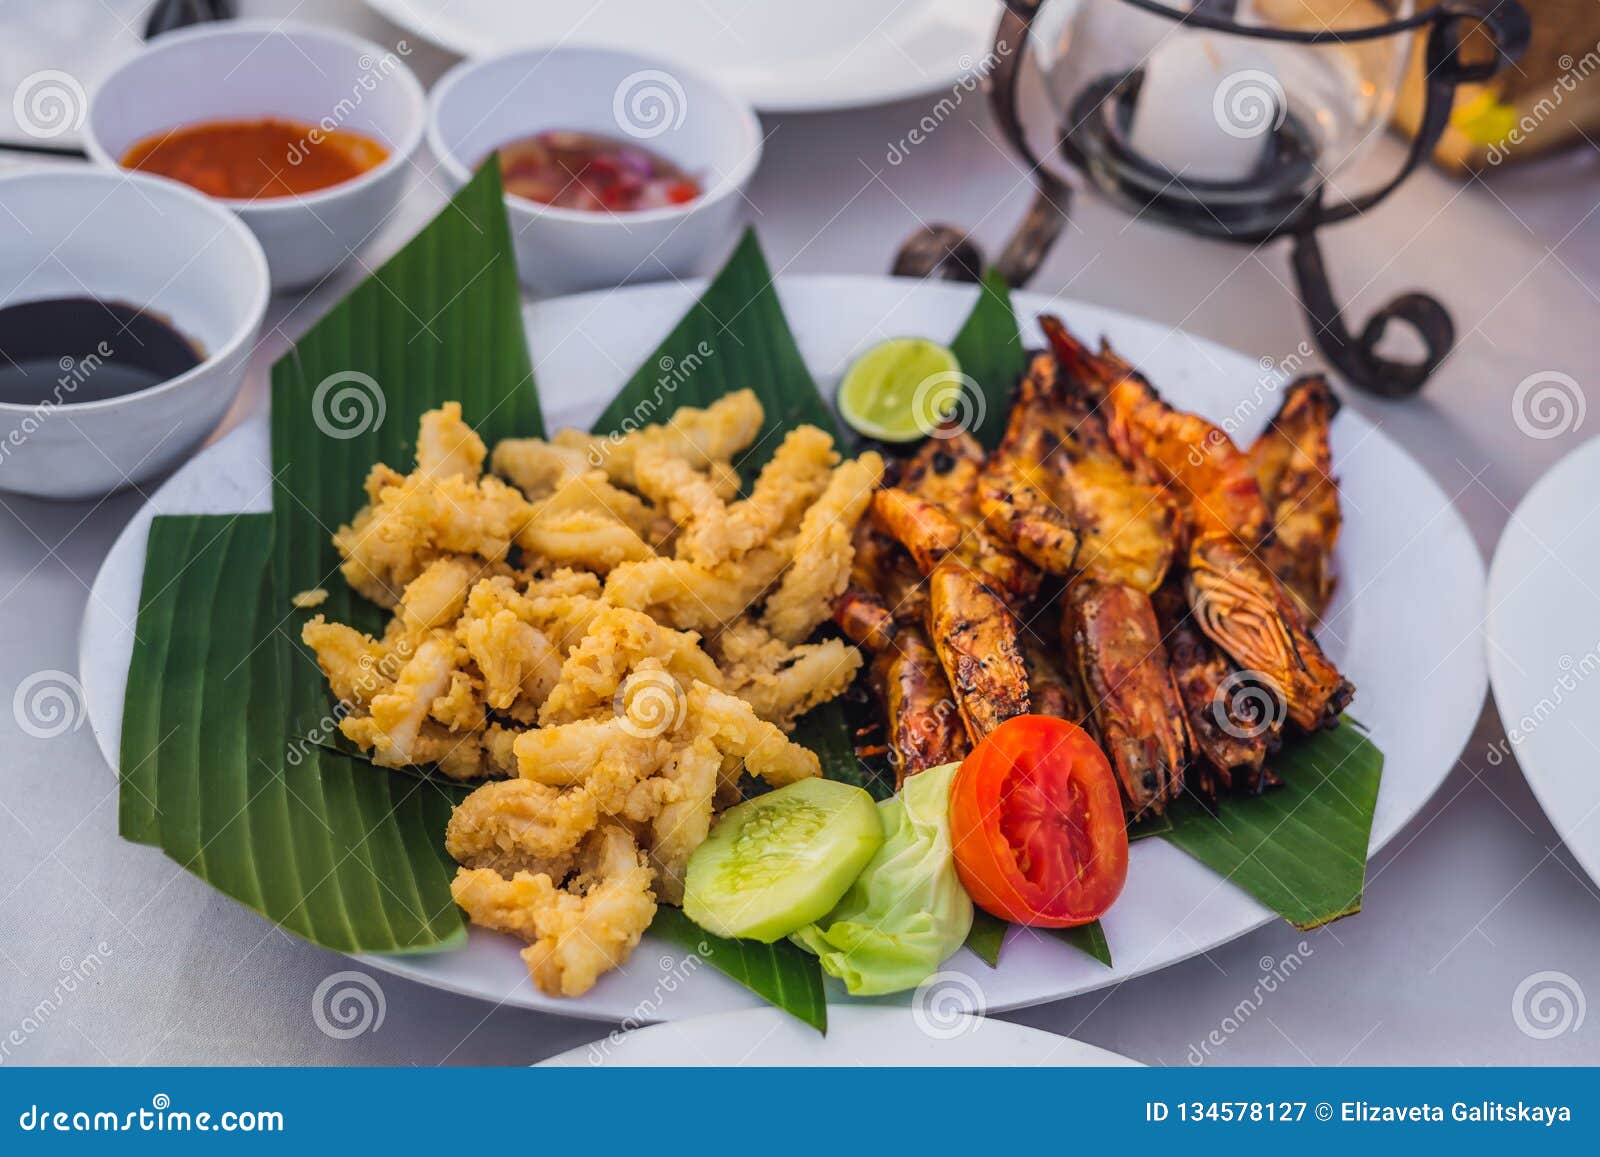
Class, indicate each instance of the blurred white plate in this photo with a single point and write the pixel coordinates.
(857, 1035)
(1544, 647)
(52, 54)
(784, 57)
(1404, 625)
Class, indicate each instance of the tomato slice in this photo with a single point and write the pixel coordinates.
(1036, 820)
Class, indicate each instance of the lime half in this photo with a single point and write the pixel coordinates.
(900, 390)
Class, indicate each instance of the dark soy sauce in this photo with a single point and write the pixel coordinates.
(77, 349)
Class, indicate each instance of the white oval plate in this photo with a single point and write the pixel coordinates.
(1544, 646)
(865, 53)
(1405, 623)
(857, 1035)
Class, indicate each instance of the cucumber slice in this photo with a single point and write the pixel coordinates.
(900, 389)
(782, 860)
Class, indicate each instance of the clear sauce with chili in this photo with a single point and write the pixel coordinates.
(252, 159)
(591, 171)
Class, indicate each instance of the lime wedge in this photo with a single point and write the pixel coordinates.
(901, 389)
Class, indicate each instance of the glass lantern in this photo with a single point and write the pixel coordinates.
(1179, 119)
(1243, 120)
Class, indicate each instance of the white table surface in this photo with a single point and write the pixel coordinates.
(1476, 896)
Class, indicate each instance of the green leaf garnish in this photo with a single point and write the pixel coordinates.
(989, 348)
(1089, 938)
(989, 932)
(1301, 849)
(312, 840)
(987, 936)
(781, 973)
(226, 756)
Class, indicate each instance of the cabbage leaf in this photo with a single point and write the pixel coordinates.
(907, 912)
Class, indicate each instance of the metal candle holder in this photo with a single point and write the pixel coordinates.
(1285, 197)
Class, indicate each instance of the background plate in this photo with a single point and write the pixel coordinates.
(1405, 624)
(876, 1037)
(1544, 646)
(919, 46)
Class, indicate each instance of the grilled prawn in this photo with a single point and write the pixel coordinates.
(1232, 730)
(944, 473)
(923, 725)
(1237, 601)
(1196, 461)
(1019, 490)
(968, 619)
(885, 590)
(884, 610)
(1242, 606)
(1293, 464)
(1057, 447)
(1138, 714)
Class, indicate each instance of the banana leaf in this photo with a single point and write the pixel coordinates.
(783, 974)
(226, 756)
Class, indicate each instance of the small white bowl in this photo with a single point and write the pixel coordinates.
(699, 125)
(247, 70)
(143, 241)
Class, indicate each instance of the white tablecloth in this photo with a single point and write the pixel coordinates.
(1473, 898)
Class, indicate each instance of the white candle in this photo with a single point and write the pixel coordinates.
(1207, 107)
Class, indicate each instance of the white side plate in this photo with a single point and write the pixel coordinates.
(1544, 646)
(857, 1035)
(826, 54)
